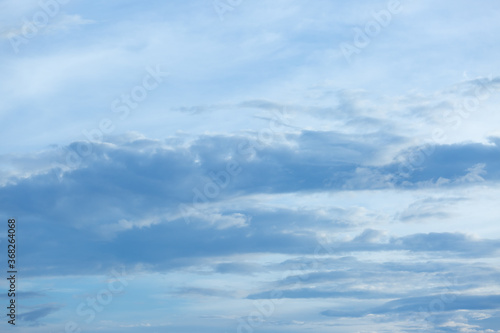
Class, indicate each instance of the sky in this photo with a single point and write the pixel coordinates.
(251, 166)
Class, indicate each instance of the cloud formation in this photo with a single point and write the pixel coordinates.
(267, 184)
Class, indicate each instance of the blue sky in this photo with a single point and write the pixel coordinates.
(252, 166)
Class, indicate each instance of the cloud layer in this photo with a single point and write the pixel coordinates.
(224, 166)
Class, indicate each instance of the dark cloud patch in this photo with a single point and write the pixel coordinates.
(261, 104)
(446, 303)
(404, 278)
(123, 181)
(449, 162)
(33, 317)
(56, 248)
(25, 294)
(122, 205)
(425, 305)
(238, 268)
(163, 247)
(452, 242)
(319, 293)
(208, 292)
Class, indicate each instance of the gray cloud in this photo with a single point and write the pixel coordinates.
(40, 312)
